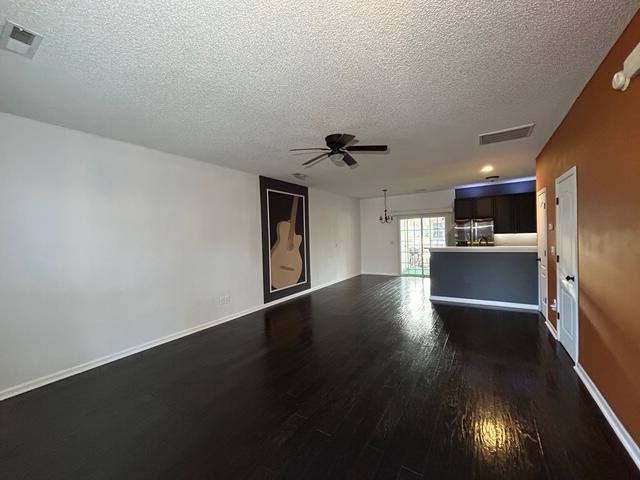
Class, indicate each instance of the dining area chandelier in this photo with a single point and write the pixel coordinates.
(386, 218)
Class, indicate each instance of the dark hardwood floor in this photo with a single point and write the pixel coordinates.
(364, 379)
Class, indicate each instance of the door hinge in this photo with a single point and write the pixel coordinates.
(558, 315)
(557, 200)
(557, 258)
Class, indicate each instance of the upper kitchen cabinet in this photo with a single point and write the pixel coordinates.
(526, 213)
(504, 218)
(483, 207)
(464, 208)
(514, 213)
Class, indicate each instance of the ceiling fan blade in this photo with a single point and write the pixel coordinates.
(301, 149)
(346, 139)
(338, 140)
(309, 163)
(349, 160)
(333, 138)
(368, 148)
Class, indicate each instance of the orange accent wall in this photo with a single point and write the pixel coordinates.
(601, 136)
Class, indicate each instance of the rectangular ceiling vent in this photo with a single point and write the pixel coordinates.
(19, 40)
(507, 134)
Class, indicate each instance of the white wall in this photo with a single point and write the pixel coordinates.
(380, 242)
(334, 233)
(105, 246)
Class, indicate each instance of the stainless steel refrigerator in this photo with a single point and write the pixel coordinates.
(474, 232)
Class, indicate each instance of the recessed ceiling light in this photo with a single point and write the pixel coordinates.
(487, 169)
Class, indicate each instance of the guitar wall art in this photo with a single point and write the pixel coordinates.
(285, 238)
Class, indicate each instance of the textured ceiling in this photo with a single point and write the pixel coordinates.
(237, 83)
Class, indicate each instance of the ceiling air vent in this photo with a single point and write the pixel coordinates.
(19, 40)
(507, 134)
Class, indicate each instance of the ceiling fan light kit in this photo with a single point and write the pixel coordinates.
(386, 218)
(631, 68)
(338, 150)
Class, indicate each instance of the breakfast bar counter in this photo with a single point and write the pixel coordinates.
(505, 276)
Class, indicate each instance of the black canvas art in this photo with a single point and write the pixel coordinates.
(285, 238)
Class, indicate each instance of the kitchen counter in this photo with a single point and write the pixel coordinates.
(500, 249)
(505, 276)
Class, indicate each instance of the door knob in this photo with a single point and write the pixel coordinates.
(570, 278)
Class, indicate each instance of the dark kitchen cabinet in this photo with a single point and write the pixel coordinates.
(483, 207)
(464, 208)
(514, 213)
(526, 213)
(504, 214)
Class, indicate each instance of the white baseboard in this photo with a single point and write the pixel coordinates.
(483, 303)
(68, 372)
(552, 329)
(381, 273)
(625, 438)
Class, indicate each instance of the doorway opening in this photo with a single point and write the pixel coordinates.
(417, 235)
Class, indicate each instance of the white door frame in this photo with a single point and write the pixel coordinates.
(542, 241)
(568, 173)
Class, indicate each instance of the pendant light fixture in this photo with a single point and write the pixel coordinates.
(385, 218)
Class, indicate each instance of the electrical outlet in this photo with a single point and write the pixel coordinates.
(224, 299)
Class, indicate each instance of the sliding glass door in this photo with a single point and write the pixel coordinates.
(417, 236)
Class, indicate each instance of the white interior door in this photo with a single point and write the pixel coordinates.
(543, 284)
(567, 271)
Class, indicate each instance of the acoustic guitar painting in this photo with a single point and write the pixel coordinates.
(286, 261)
